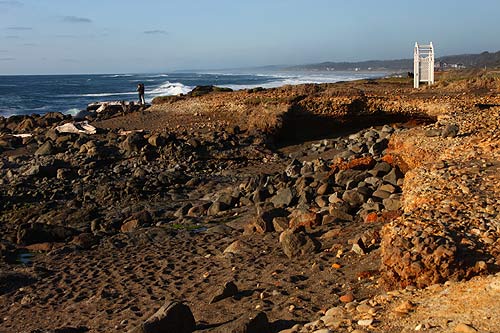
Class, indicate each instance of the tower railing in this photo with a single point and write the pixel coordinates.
(423, 64)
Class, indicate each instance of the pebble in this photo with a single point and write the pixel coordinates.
(347, 298)
(365, 322)
(323, 330)
(464, 328)
(364, 308)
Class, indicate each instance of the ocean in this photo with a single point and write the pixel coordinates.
(39, 94)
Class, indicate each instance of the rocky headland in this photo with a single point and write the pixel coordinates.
(362, 206)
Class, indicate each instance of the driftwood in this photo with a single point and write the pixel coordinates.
(111, 106)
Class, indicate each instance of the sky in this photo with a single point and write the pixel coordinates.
(123, 36)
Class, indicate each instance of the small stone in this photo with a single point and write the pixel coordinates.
(228, 290)
(404, 307)
(450, 131)
(363, 308)
(347, 298)
(463, 328)
(172, 317)
(365, 322)
(45, 149)
(433, 132)
(324, 330)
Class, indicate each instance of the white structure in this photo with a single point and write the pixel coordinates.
(423, 64)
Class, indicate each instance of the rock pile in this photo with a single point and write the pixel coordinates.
(358, 184)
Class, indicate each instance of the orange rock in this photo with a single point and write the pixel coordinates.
(357, 163)
(336, 266)
(347, 298)
(388, 159)
(371, 218)
(305, 219)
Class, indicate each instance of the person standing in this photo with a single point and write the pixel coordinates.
(140, 90)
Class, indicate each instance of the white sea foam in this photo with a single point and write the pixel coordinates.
(169, 88)
(72, 111)
(118, 75)
(158, 75)
(287, 79)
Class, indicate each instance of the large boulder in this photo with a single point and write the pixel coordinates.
(173, 317)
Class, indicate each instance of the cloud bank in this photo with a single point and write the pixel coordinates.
(76, 19)
(19, 28)
(155, 32)
(11, 3)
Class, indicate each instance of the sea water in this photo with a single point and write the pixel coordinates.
(39, 94)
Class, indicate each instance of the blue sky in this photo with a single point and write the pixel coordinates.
(122, 36)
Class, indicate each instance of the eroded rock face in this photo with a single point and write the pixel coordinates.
(450, 223)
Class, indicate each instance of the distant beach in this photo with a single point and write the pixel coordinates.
(40, 94)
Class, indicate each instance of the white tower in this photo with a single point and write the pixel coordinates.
(423, 64)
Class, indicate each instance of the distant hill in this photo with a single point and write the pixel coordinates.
(485, 59)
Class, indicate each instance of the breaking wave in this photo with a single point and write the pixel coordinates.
(169, 88)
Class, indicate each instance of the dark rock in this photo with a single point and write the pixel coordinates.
(381, 194)
(393, 176)
(349, 176)
(381, 168)
(280, 223)
(45, 149)
(228, 290)
(324, 189)
(173, 317)
(264, 220)
(304, 218)
(283, 198)
(392, 203)
(297, 242)
(433, 132)
(260, 195)
(198, 210)
(137, 220)
(388, 188)
(34, 233)
(183, 210)
(203, 90)
(293, 169)
(157, 140)
(41, 171)
(354, 197)
(378, 147)
(248, 323)
(450, 131)
(216, 207)
(340, 212)
(133, 143)
(358, 247)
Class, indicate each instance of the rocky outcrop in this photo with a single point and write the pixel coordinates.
(449, 229)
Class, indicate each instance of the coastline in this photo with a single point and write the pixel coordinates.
(189, 202)
(67, 93)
